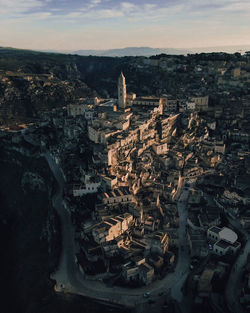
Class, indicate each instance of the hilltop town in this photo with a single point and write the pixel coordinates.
(153, 195)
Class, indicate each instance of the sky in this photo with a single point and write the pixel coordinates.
(108, 24)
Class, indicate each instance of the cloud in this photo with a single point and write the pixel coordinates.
(112, 23)
(128, 6)
(93, 4)
(221, 5)
(126, 10)
(132, 11)
(20, 6)
(241, 6)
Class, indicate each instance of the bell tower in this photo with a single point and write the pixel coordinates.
(122, 93)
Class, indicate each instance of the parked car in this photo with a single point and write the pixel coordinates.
(146, 294)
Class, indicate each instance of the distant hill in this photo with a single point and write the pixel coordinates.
(137, 51)
(131, 51)
(148, 51)
(227, 49)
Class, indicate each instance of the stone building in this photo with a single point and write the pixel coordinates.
(160, 148)
(119, 195)
(147, 101)
(111, 228)
(76, 109)
(160, 243)
(146, 273)
(201, 103)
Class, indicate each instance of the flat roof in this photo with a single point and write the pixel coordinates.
(236, 244)
(125, 190)
(222, 244)
(146, 267)
(116, 192)
(137, 258)
(215, 229)
(146, 99)
(101, 227)
(111, 221)
(119, 218)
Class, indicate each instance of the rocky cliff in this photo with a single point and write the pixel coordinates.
(30, 232)
(30, 236)
(25, 95)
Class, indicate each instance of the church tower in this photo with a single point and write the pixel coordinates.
(122, 93)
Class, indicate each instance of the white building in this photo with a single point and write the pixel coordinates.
(80, 190)
(90, 185)
(191, 106)
(225, 240)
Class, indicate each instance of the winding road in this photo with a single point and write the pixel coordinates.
(234, 284)
(70, 279)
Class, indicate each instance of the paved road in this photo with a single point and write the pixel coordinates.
(69, 278)
(234, 284)
(72, 280)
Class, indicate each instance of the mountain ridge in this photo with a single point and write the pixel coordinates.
(149, 51)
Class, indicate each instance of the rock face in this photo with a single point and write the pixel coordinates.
(30, 232)
(25, 95)
(32, 181)
(30, 236)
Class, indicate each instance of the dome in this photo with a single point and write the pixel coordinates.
(228, 235)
